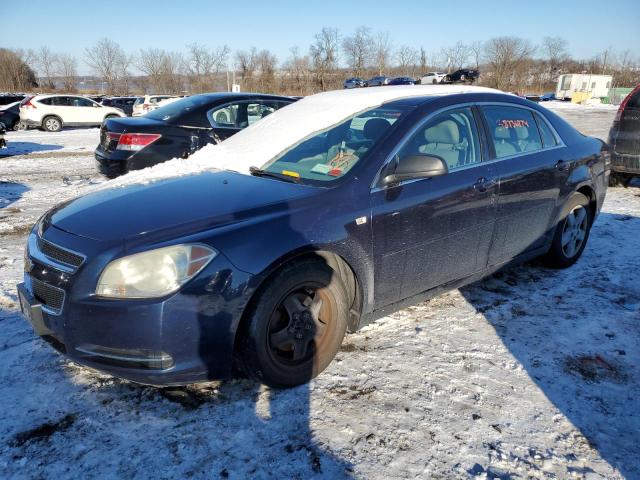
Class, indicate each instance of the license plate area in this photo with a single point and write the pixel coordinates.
(32, 311)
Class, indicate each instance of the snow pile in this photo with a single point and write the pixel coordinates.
(272, 135)
(559, 105)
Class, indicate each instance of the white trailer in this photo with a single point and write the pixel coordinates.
(597, 85)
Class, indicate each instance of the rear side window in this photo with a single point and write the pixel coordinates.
(139, 101)
(548, 137)
(513, 129)
(45, 101)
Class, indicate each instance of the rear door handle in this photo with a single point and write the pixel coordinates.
(562, 165)
(483, 184)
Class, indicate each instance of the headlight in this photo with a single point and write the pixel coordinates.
(154, 273)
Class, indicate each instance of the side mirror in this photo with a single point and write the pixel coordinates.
(417, 166)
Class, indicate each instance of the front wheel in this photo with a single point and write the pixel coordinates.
(295, 326)
(572, 232)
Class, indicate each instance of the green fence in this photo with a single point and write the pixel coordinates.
(616, 95)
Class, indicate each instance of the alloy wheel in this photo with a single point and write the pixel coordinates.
(574, 231)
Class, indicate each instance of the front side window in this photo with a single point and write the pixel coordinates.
(513, 129)
(332, 153)
(451, 135)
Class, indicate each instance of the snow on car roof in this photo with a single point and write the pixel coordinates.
(274, 134)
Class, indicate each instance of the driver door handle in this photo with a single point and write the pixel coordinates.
(483, 184)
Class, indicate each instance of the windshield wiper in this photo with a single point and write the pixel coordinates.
(258, 172)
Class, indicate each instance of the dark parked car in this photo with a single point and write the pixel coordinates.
(464, 75)
(532, 97)
(378, 81)
(547, 97)
(402, 81)
(354, 83)
(10, 116)
(6, 99)
(123, 103)
(178, 129)
(353, 215)
(624, 140)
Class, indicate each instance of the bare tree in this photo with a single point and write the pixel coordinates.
(16, 73)
(108, 61)
(298, 69)
(407, 58)
(357, 51)
(267, 64)
(475, 51)
(66, 69)
(247, 63)
(324, 55)
(151, 63)
(203, 64)
(507, 57)
(456, 55)
(46, 61)
(172, 66)
(382, 50)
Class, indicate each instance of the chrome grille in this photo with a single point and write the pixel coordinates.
(60, 254)
(50, 296)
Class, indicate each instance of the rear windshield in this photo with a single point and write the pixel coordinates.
(178, 108)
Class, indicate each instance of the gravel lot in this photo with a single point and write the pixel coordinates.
(531, 373)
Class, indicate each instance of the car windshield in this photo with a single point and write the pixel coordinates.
(178, 108)
(330, 154)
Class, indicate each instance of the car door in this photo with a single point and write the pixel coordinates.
(432, 231)
(530, 177)
(88, 111)
(62, 106)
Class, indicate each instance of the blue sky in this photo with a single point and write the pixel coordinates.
(70, 26)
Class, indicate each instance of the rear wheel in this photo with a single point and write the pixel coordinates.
(296, 325)
(572, 232)
(618, 179)
(52, 124)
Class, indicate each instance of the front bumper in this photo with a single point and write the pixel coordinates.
(184, 338)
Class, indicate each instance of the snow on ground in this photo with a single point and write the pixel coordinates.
(40, 143)
(531, 373)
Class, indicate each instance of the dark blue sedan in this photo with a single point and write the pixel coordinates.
(398, 195)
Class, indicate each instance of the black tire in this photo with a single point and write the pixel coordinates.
(618, 179)
(271, 337)
(570, 240)
(51, 124)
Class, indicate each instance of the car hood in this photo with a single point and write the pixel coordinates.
(175, 207)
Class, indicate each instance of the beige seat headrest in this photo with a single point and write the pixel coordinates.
(444, 132)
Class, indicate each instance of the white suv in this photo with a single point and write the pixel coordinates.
(151, 102)
(432, 78)
(52, 112)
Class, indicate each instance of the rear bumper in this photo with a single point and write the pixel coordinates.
(119, 162)
(622, 163)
